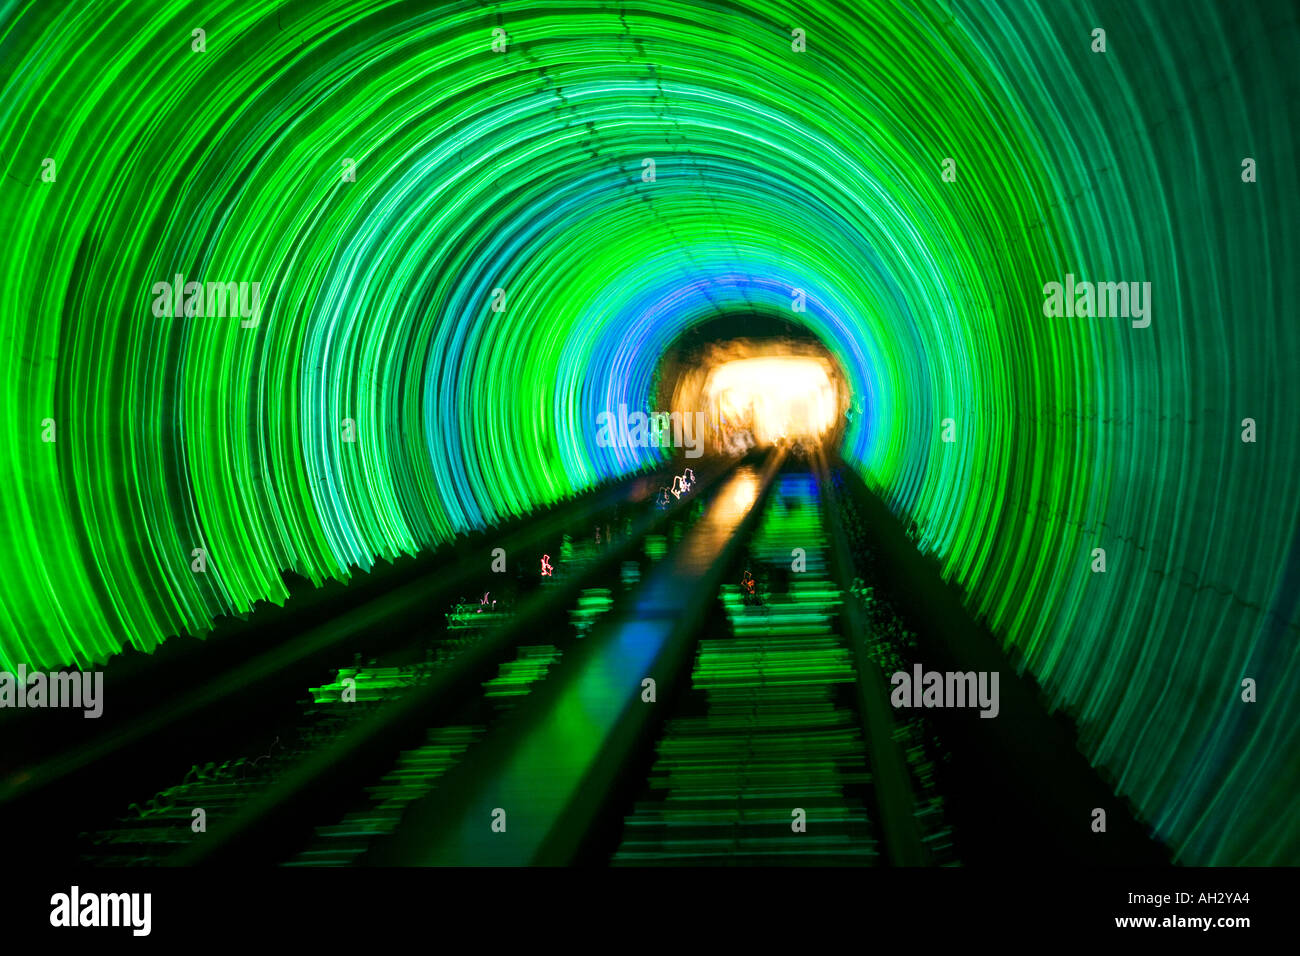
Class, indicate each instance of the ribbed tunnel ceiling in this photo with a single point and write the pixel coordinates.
(774, 171)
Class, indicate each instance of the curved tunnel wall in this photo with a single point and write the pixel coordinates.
(775, 171)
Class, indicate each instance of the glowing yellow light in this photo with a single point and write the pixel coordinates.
(775, 397)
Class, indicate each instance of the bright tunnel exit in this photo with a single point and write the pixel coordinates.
(759, 393)
(774, 398)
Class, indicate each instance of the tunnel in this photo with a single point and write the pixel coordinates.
(752, 350)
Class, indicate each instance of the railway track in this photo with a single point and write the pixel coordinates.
(780, 753)
(703, 683)
(366, 706)
(765, 749)
(767, 763)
